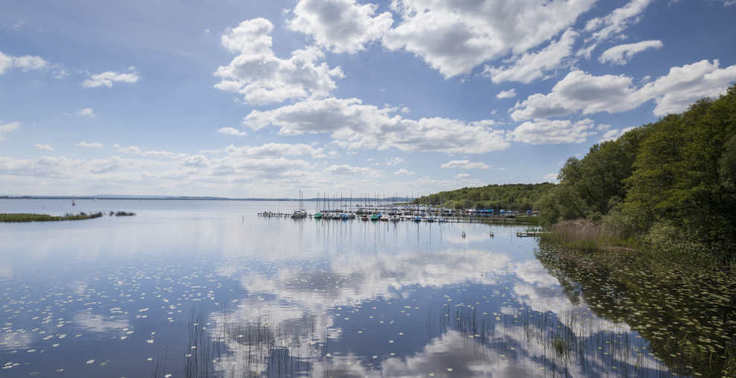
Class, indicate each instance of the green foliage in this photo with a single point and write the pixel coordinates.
(592, 186)
(673, 177)
(511, 197)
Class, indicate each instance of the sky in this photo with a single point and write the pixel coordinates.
(402, 97)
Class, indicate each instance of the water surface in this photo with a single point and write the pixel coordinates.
(208, 288)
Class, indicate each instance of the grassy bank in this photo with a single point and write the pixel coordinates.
(587, 236)
(22, 217)
(667, 290)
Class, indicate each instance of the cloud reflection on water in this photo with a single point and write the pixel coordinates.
(295, 302)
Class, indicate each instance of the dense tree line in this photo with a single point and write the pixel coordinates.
(511, 197)
(672, 179)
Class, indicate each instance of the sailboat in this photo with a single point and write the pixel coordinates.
(301, 213)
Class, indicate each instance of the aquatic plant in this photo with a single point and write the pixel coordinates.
(687, 312)
(24, 217)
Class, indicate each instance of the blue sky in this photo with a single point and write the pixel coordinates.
(264, 98)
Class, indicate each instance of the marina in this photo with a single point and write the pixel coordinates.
(345, 210)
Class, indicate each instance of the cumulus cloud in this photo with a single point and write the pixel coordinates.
(532, 66)
(261, 77)
(464, 164)
(622, 54)
(684, 85)
(43, 147)
(231, 131)
(394, 161)
(612, 25)
(349, 170)
(542, 131)
(25, 63)
(355, 125)
(269, 170)
(86, 112)
(614, 134)
(86, 144)
(277, 150)
(580, 91)
(160, 154)
(404, 172)
(455, 36)
(589, 94)
(7, 128)
(511, 93)
(342, 26)
(107, 79)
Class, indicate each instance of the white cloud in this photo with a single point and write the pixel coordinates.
(231, 131)
(404, 172)
(270, 170)
(551, 177)
(43, 147)
(462, 176)
(159, 154)
(24, 63)
(86, 112)
(622, 54)
(531, 66)
(340, 25)
(86, 144)
(6, 62)
(455, 36)
(614, 134)
(349, 170)
(354, 125)
(106, 79)
(464, 164)
(394, 161)
(7, 128)
(612, 25)
(511, 93)
(277, 150)
(684, 85)
(580, 91)
(263, 78)
(589, 94)
(542, 131)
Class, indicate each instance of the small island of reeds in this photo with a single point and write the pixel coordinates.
(28, 217)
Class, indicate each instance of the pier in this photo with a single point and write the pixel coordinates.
(408, 213)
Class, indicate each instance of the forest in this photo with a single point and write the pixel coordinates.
(668, 183)
(510, 197)
(671, 182)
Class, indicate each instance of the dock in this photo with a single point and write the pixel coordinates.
(530, 234)
(406, 213)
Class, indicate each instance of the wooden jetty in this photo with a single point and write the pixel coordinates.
(530, 234)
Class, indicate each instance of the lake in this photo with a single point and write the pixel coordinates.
(208, 288)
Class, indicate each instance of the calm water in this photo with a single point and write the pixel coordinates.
(207, 288)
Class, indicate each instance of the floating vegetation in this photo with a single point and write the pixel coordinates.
(23, 217)
(121, 214)
(688, 315)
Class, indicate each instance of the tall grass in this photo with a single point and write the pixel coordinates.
(587, 236)
(23, 217)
